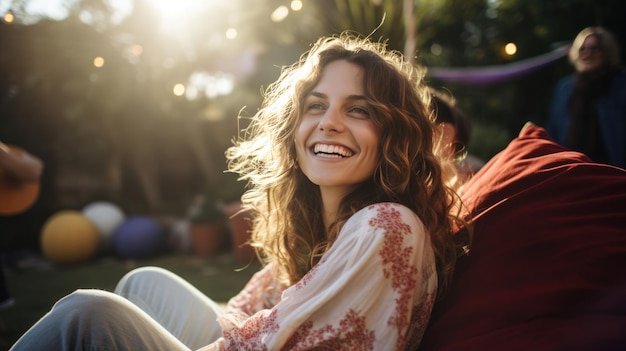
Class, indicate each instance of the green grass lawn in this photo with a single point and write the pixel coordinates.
(37, 286)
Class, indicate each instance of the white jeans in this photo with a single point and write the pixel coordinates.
(152, 309)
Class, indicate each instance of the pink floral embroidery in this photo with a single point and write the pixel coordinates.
(308, 276)
(249, 336)
(261, 292)
(351, 334)
(396, 265)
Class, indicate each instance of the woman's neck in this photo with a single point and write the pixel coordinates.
(331, 199)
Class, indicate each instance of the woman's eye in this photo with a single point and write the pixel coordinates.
(359, 110)
(315, 106)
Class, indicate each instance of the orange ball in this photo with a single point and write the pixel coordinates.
(69, 237)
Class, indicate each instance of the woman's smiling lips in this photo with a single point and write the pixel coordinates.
(331, 150)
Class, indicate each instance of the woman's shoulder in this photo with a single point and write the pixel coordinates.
(382, 230)
(386, 214)
(385, 206)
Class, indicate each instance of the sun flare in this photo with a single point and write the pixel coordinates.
(173, 13)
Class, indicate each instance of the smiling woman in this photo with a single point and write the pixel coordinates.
(353, 213)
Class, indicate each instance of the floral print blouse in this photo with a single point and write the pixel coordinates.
(374, 289)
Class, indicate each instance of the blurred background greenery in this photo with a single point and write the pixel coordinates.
(135, 101)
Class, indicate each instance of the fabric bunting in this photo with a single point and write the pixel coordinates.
(493, 74)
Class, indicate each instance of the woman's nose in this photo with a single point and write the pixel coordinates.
(331, 121)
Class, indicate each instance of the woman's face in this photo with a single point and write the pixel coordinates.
(337, 143)
(590, 55)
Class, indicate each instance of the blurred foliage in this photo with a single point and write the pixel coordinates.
(119, 133)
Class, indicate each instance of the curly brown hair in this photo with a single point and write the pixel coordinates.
(287, 227)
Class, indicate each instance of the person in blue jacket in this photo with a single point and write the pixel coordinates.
(588, 110)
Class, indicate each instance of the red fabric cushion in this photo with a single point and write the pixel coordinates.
(547, 270)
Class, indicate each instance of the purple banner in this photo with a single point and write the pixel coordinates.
(493, 74)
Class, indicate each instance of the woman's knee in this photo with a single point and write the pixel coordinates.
(89, 302)
(141, 276)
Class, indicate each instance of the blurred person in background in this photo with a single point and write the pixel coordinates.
(457, 130)
(588, 110)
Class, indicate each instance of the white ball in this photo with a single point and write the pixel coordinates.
(106, 217)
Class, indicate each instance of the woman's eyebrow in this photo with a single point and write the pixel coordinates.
(324, 96)
(318, 95)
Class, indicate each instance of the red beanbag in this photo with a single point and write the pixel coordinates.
(547, 270)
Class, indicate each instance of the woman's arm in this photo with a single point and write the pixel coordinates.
(19, 164)
(261, 292)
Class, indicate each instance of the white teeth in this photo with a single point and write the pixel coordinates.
(332, 150)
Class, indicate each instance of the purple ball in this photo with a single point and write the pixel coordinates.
(137, 237)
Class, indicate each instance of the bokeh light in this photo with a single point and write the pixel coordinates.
(179, 89)
(280, 14)
(436, 49)
(98, 61)
(8, 17)
(231, 33)
(296, 5)
(136, 49)
(210, 85)
(510, 49)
